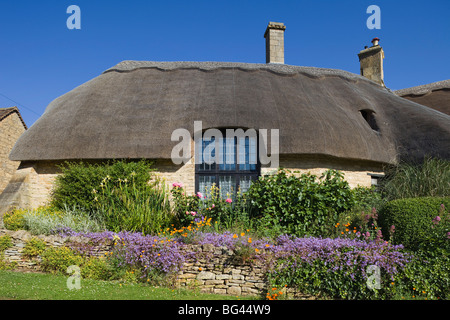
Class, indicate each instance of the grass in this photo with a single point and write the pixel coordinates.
(39, 286)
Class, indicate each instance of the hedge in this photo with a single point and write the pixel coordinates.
(412, 218)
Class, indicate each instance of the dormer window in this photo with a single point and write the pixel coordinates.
(369, 116)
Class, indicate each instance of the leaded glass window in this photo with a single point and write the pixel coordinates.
(233, 168)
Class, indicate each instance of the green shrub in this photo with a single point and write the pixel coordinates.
(300, 206)
(5, 242)
(428, 274)
(97, 269)
(412, 218)
(367, 198)
(57, 260)
(75, 186)
(124, 195)
(428, 179)
(14, 220)
(33, 247)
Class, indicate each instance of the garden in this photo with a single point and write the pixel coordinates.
(312, 233)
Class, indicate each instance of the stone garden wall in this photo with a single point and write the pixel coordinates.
(211, 270)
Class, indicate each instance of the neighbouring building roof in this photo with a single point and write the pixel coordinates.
(131, 110)
(435, 95)
(4, 112)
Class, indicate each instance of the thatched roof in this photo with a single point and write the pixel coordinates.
(435, 95)
(131, 110)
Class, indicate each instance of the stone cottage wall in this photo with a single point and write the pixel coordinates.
(32, 183)
(10, 130)
(356, 173)
(211, 270)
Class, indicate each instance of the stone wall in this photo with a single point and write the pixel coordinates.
(356, 173)
(211, 270)
(10, 130)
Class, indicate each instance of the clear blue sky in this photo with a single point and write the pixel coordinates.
(41, 59)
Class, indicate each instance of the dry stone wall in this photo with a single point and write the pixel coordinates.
(211, 269)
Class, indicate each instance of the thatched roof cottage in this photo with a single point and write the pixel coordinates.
(326, 119)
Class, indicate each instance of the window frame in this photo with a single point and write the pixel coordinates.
(237, 172)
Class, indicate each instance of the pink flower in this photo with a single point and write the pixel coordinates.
(229, 200)
(187, 212)
(177, 185)
(213, 205)
(193, 213)
(436, 220)
(199, 194)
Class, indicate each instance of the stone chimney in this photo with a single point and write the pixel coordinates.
(371, 61)
(275, 42)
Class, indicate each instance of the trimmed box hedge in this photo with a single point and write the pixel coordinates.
(412, 218)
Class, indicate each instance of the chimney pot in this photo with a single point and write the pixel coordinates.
(275, 42)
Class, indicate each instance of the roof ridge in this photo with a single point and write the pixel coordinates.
(282, 69)
(424, 89)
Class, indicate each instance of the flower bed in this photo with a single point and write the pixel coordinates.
(331, 267)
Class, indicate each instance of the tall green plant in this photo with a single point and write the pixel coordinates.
(428, 179)
(126, 205)
(125, 195)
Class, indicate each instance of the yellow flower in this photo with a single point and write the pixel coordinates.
(242, 234)
(235, 236)
(249, 240)
(256, 250)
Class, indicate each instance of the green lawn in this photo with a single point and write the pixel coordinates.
(37, 286)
